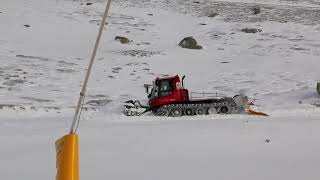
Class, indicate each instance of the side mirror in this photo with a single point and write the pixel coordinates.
(147, 88)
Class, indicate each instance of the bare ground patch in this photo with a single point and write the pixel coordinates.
(137, 53)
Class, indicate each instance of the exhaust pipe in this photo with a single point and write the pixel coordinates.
(182, 79)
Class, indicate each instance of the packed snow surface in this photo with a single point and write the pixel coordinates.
(44, 50)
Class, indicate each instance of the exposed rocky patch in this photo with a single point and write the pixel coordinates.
(214, 14)
(143, 43)
(122, 21)
(251, 30)
(36, 99)
(13, 82)
(116, 69)
(299, 49)
(32, 57)
(56, 109)
(9, 106)
(64, 63)
(216, 34)
(247, 12)
(138, 53)
(65, 70)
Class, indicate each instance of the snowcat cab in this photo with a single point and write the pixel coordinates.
(166, 90)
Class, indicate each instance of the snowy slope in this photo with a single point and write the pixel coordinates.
(43, 66)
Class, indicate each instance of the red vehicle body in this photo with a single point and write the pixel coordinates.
(168, 97)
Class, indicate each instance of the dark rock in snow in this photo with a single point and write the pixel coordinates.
(318, 88)
(26, 25)
(150, 14)
(123, 40)
(89, 3)
(256, 10)
(189, 43)
(267, 140)
(251, 30)
(213, 14)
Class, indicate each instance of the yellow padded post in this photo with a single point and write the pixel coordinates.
(67, 157)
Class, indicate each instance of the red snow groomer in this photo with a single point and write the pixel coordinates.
(168, 97)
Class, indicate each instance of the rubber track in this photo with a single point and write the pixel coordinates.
(169, 108)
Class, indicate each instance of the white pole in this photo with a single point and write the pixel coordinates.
(84, 86)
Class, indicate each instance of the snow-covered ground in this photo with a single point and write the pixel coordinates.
(43, 66)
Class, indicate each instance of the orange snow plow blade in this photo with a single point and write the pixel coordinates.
(253, 112)
(67, 158)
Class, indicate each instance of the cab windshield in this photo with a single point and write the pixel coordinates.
(166, 88)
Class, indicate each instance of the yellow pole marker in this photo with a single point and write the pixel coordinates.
(67, 162)
(67, 149)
